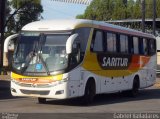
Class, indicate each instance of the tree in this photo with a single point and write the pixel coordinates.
(149, 8)
(108, 10)
(130, 9)
(158, 8)
(10, 23)
(98, 10)
(25, 11)
(118, 10)
(137, 10)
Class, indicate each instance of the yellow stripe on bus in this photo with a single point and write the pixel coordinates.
(53, 78)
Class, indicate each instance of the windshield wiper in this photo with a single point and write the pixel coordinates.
(44, 64)
(42, 38)
(28, 60)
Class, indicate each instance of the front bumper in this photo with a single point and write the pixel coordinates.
(58, 91)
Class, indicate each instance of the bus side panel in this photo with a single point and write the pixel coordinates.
(114, 84)
(158, 61)
(151, 77)
(85, 76)
(74, 82)
(147, 74)
(143, 77)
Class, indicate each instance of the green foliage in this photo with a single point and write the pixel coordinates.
(118, 9)
(98, 10)
(11, 22)
(158, 9)
(137, 13)
(25, 11)
(81, 16)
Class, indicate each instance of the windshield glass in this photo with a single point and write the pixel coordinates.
(41, 53)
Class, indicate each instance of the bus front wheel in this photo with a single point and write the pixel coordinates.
(89, 92)
(41, 100)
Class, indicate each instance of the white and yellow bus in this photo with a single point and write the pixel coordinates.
(63, 59)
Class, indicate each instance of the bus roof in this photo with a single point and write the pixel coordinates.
(150, 21)
(54, 25)
(66, 25)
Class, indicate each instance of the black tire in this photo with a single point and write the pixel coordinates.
(89, 92)
(135, 88)
(41, 100)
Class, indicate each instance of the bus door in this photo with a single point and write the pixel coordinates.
(73, 49)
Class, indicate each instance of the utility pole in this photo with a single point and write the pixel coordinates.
(143, 14)
(154, 17)
(2, 29)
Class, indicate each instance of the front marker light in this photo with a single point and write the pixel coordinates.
(63, 80)
(14, 81)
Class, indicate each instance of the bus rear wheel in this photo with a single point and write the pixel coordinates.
(89, 92)
(41, 100)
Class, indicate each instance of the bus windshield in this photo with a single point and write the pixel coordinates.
(43, 53)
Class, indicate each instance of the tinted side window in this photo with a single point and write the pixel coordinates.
(83, 35)
(152, 46)
(123, 44)
(135, 45)
(79, 46)
(145, 46)
(98, 41)
(111, 42)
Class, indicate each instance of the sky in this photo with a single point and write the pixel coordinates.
(61, 10)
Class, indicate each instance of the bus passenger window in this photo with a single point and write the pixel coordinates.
(111, 42)
(124, 44)
(98, 42)
(145, 48)
(136, 45)
(152, 47)
(130, 45)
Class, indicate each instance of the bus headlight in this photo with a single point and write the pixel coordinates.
(15, 81)
(64, 80)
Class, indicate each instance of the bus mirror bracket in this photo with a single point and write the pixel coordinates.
(5, 52)
(70, 42)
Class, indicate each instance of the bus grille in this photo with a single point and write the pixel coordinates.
(37, 85)
(34, 92)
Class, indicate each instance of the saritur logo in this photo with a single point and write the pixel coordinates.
(114, 61)
(29, 79)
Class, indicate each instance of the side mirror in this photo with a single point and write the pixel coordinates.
(6, 47)
(69, 43)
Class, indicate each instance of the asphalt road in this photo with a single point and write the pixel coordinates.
(147, 101)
